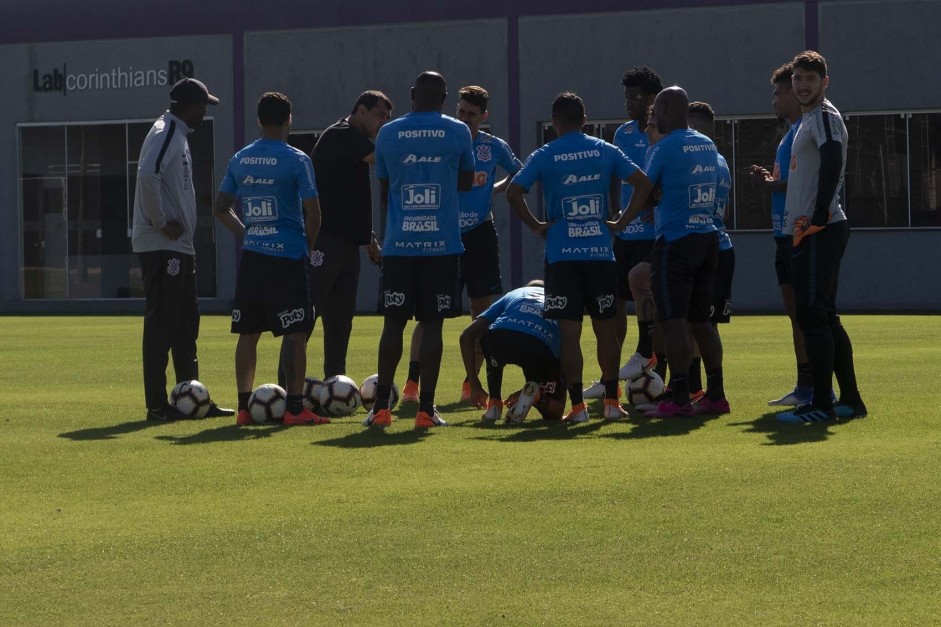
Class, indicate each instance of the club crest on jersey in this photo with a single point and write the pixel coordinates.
(411, 158)
(173, 266)
(236, 315)
(483, 153)
(444, 302)
(572, 179)
(393, 299)
(604, 302)
(290, 317)
(556, 302)
(316, 258)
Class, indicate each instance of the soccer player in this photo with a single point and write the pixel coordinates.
(576, 172)
(513, 331)
(788, 109)
(817, 227)
(273, 180)
(634, 243)
(685, 254)
(480, 262)
(341, 161)
(162, 236)
(422, 160)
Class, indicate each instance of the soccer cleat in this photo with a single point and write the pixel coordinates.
(424, 420)
(666, 395)
(593, 391)
(707, 406)
(613, 409)
(244, 419)
(579, 414)
(167, 413)
(494, 410)
(520, 409)
(807, 413)
(850, 410)
(636, 366)
(219, 412)
(669, 409)
(306, 417)
(381, 418)
(800, 395)
(465, 392)
(410, 392)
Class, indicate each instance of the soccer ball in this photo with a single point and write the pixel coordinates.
(312, 387)
(367, 392)
(190, 398)
(339, 396)
(267, 403)
(645, 388)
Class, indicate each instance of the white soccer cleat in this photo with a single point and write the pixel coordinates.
(530, 394)
(613, 410)
(636, 366)
(494, 410)
(593, 391)
(578, 415)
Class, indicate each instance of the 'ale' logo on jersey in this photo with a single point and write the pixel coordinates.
(586, 207)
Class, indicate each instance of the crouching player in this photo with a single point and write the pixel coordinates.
(513, 331)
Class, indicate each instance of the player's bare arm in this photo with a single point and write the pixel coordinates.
(642, 190)
(465, 180)
(225, 214)
(516, 196)
(311, 220)
(468, 340)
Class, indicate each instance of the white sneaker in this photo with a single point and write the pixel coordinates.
(494, 410)
(593, 391)
(578, 415)
(613, 410)
(528, 396)
(636, 366)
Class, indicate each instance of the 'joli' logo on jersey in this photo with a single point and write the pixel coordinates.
(421, 196)
(702, 195)
(586, 207)
(261, 209)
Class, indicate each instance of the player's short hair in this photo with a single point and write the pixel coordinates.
(274, 109)
(783, 74)
(703, 109)
(645, 78)
(536, 283)
(370, 99)
(568, 107)
(476, 95)
(812, 61)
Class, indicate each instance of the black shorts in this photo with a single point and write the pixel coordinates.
(682, 276)
(782, 260)
(480, 263)
(424, 287)
(721, 311)
(627, 254)
(503, 346)
(272, 294)
(815, 274)
(574, 286)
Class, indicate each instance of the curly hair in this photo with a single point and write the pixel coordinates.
(645, 78)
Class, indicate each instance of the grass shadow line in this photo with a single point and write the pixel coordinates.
(372, 437)
(225, 433)
(542, 430)
(784, 433)
(111, 432)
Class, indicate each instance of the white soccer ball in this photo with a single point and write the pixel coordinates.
(367, 392)
(312, 387)
(190, 398)
(645, 388)
(339, 396)
(267, 403)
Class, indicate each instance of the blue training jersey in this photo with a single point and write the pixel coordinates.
(420, 154)
(723, 191)
(633, 142)
(272, 178)
(489, 152)
(782, 166)
(576, 172)
(521, 310)
(684, 164)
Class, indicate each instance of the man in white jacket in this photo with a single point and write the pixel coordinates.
(162, 237)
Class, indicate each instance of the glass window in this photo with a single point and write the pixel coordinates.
(925, 154)
(876, 184)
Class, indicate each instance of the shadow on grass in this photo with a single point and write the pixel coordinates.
(539, 430)
(645, 427)
(786, 434)
(111, 432)
(225, 433)
(372, 437)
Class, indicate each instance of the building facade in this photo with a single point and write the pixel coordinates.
(84, 83)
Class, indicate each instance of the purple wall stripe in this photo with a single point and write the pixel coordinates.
(515, 138)
(811, 25)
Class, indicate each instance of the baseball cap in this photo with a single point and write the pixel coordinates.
(190, 90)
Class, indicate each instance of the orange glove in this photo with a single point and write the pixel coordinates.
(803, 228)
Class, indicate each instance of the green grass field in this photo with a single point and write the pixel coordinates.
(110, 520)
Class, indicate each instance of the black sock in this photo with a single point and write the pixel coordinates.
(680, 387)
(575, 393)
(295, 403)
(695, 374)
(661, 367)
(645, 338)
(805, 376)
(413, 371)
(243, 400)
(426, 402)
(715, 388)
(610, 388)
(382, 397)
